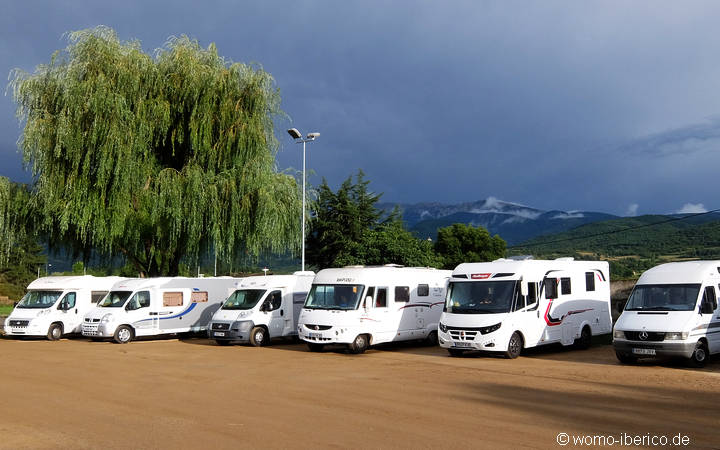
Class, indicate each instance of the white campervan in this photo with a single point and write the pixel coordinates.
(155, 306)
(362, 306)
(55, 306)
(261, 308)
(672, 311)
(507, 305)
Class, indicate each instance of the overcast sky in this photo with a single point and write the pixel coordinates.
(599, 106)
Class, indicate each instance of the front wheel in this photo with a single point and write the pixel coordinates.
(55, 332)
(258, 337)
(514, 346)
(625, 358)
(699, 355)
(432, 338)
(315, 347)
(359, 345)
(123, 334)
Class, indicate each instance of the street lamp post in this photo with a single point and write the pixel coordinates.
(295, 134)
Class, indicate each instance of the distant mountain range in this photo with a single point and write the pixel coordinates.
(513, 222)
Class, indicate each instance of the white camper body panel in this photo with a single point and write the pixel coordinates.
(665, 315)
(57, 300)
(384, 304)
(471, 322)
(277, 304)
(156, 306)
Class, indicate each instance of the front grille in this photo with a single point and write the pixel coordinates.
(19, 323)
(90, 329)
(220, 326)
(652, 336)
(89, 320)
(317, 339)
(317, 327)
(462, 335)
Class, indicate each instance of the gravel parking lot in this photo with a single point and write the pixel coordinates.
(192, 393)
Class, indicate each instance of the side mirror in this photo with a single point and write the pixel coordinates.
(15, 304)
(706, 308)
(368, 301)
(265, 306)
(550, 285)
(523, 288)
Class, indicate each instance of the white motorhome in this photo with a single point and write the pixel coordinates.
(261, 308)
(155, 306)
(362, 306)
(507, 305)
(55, 306)
(672, 311)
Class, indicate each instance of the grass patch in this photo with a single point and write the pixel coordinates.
(5, 310)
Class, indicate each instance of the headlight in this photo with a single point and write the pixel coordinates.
(442, 327)
(107, 318)
(619, 334)
(490, 329)
(242, 314)
(244, 325)
(676, 336)
(43, 312)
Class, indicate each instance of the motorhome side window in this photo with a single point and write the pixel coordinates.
(96, 296)
(274, 300)
(589, 281)
(423, 290)
(381, 299)
(550, 285)
(565, 286)
(402, 294)
(172, 298)
(199, 297)
(139, 300)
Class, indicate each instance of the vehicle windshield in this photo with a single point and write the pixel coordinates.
(334, 296)
(39, 299)
(243, 299)
(663, 297)
(115, 299)
(480, 297)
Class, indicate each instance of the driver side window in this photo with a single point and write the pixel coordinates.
(274, 300)
(139, 300)
(68, 302)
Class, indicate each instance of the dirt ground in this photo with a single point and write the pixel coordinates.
(192, 393)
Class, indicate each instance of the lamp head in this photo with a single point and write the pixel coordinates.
(294, 133)
(313, 135)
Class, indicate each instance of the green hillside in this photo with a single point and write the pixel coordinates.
(631, 245)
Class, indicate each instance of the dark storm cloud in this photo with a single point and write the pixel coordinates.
(567, 105)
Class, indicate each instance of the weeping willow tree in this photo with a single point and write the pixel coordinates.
(162, 157)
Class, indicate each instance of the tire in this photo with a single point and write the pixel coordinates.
(315, 347)
(259, 337)
(625, 358)
(455, 352)
(359, 345)
(432, 338)
(222, 342)
(123, 334)
(55, 332)
(514, 346)
(585, 339)
(700, 355)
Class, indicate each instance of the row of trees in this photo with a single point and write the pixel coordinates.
(170, 158)
(347, 228)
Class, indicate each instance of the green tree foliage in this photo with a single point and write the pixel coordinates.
(160, 158)
(460, 243)
(22, 267)
(347, 229)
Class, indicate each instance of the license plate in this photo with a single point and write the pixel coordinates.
(644, 351)
(219, 333)
(462, 344)
(314, 335)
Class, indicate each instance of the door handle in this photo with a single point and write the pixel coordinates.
(281, 312)
(75, 310)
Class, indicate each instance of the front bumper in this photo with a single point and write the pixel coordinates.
(98, 329)
(330, 335)
(643, 349)
(471, 339)
(229, 331)
(26, 327)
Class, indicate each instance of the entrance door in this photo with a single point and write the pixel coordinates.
(70, 317)
(383, 324)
